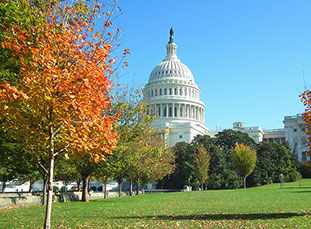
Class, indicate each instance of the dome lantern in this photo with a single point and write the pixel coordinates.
(171, 48)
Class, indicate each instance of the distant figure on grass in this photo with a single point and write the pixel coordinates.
(244, 159)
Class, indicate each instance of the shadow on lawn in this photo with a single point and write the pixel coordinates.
(218, 216)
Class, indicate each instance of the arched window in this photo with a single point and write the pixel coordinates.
(156, 92)
(164, 111)
(151, 93)
(160, 91)
(185, 91)
(175, 91)
(170, 112)
(170, 91)
(165, 91)
(175, 111)
(180, 91)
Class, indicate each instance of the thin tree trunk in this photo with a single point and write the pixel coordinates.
(47, 223)
(3, 183)
(78, 184)
(105, 186)
(131, 187)
(85, 194)
(120, 188)
(48, 212)
(31, 183)
(45, 181)
(245, 182)
(202, 187)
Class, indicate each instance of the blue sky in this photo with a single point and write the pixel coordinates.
(251, 59)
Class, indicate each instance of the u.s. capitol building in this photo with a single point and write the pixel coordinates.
(174, 99)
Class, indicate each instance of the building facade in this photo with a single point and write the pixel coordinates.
(174, 99)
(294, 132)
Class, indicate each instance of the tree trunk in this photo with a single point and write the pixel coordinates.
(48, 212)
(78, 184)
(120, 188)
(45, 181)
(202, 187)
(137, 189)
(105, 186)
(244, 182)
(85, 194)
(31, 183)
(3, 183)
(131, 187)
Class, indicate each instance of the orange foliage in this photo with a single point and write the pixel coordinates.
(306, 99)
(66, 81)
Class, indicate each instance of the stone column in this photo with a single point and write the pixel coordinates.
(173, 110)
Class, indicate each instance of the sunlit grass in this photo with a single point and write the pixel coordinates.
(265, 206)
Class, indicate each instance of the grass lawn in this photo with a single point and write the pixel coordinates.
(267, 206)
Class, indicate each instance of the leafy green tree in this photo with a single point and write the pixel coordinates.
(244, 159)
(133, 124)
(201, 160)
(155, 161)
(273, 159)
(305, 169)
(184, 173)
(222, 174)
(229, 138)
(86, 168)
(105, 172)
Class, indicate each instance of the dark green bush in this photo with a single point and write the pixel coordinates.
(305, 169)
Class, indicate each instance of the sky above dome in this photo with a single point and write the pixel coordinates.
(251, 59)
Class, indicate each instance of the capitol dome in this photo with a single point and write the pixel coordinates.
(174, 99)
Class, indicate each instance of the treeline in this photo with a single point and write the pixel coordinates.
(273, 160)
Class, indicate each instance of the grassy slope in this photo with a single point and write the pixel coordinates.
(265, 206)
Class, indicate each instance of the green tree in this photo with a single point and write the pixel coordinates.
(184, 173)
(229, 138)
(222, 174)
(273, 159)
(155, 159)
(244, 159)
(305, 169)
(133, 123)
(201, 160)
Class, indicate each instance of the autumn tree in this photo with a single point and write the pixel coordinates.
(202, 161)
(244, 159)
(60, 100)
(306, 116)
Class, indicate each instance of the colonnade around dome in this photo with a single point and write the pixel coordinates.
(180, 91)
(177, 111)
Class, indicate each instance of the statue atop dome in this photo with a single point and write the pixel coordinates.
(171, 36)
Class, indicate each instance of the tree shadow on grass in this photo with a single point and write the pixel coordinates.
(219, 216)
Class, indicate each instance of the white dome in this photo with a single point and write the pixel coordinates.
(169, 69)
(174, 98)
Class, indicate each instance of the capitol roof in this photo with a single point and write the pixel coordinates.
(171, 67)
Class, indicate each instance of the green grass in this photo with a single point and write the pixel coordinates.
(266, 206)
